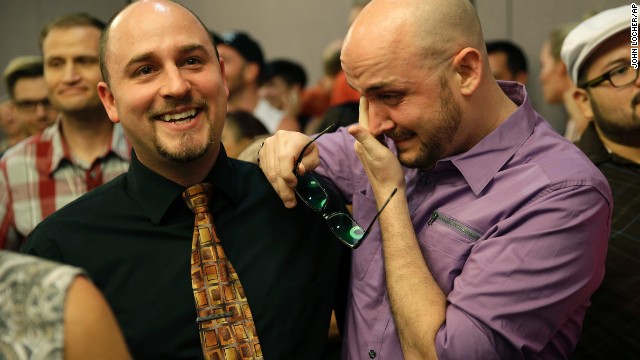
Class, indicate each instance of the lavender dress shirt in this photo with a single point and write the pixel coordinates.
(514, 232)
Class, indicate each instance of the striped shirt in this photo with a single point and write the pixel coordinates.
(39, 176)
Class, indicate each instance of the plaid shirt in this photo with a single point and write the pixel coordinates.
(612, 324)
(39, 176)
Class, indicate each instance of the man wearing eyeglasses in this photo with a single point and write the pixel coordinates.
(598, 56)
(496, 236)
(80, 151)
(24, 77)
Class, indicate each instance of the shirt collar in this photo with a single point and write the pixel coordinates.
(480, 164)
(60, 150)
(155, 193)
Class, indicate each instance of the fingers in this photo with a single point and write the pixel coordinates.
(277, 160)
(380, 164)
(366, 142)
(363, 118)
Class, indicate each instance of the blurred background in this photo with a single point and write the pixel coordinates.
(301, 29)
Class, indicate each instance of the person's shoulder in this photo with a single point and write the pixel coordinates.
(16, 154)
(562, 162)
(31, 266)
(95, 201)
(249, 175)
(76, 219)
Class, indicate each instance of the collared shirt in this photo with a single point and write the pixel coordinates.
(612, 324)
(133, 236)
(514, 231)
(39, 175)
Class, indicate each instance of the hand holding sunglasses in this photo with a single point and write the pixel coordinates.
(312, 193)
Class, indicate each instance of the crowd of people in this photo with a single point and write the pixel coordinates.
(168, 192)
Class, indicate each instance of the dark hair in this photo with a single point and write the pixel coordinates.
(71, 20)
(248, 125)
(102, 51)
(516, 60)
(22, 67)
(292, 73)
(331, 64)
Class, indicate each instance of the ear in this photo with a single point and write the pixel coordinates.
(582, 99)
(224, 79)
(251, 72)
(522, 77)
(562, 68)
(297, 88)
(108, 101)
(468, 65)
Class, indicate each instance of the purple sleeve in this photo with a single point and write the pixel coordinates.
(339, 162)
(528, 279)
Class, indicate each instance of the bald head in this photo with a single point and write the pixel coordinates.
(435, 28)
(127, 18)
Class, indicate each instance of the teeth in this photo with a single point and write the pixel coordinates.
(181, 116)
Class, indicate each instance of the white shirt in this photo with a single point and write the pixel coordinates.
(268, 115)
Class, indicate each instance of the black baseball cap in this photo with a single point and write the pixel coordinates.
(243, 44)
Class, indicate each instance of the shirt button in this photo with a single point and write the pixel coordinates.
(93, 174)
(372, 354)
(424, 181)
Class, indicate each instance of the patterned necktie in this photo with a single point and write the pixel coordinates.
(226, 325)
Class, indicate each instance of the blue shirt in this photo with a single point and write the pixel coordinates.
(514, 231)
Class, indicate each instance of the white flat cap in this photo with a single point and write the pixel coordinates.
(583, 40)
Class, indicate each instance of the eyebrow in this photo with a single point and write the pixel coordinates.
(618, 61)
(375, 88)
(185, 49)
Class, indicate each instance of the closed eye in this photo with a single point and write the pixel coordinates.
(391, 98)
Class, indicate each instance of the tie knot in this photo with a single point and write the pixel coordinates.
(197, 197)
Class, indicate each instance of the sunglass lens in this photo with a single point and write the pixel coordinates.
(345, 228)
(311, 192)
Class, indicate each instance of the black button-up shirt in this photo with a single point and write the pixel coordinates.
(612, 324)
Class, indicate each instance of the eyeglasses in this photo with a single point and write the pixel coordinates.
(618, 77)
(316, 197)
(30, 106)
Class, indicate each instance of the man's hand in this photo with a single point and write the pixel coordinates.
(381, 165)
(277, 159)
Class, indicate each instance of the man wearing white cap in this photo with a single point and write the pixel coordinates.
(598, 56)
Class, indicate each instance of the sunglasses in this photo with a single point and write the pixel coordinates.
(312, 193)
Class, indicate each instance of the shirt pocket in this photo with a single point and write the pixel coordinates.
(446, 243)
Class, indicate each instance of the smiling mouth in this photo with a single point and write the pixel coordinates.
(179, 118)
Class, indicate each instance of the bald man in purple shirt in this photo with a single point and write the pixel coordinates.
(497, 235)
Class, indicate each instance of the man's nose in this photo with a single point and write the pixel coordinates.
(175, 85)
(379, 120)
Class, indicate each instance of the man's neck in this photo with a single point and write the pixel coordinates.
(246, 100)
(88, 134)
(14, 139)
(185, 174)
(631, 153)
